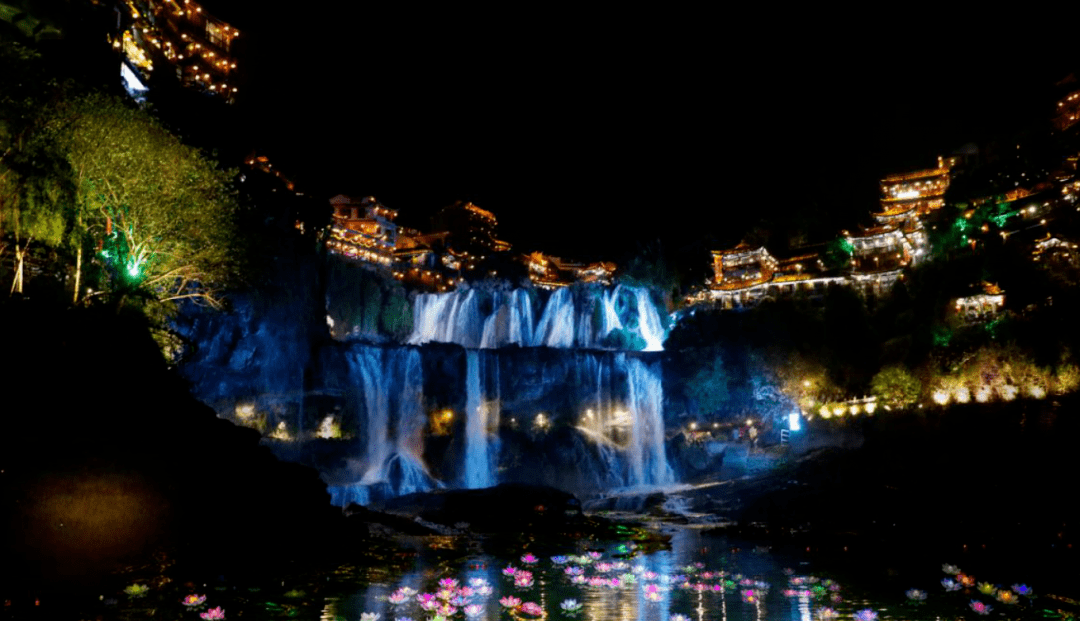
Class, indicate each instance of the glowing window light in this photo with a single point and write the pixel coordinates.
(793, 421)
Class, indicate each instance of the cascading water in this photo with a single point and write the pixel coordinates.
(648, 462)
(570, 317)
(480, 411)
(390, 387)
(556, 327)
(623, 418)
(649, 325)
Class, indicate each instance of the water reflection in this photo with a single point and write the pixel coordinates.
(699, 578)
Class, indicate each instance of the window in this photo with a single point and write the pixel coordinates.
(216, 33)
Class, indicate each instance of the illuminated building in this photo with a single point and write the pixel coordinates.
(1068, 111)
(422, 260)
(471, 233)
(363, 230)
(914, 194)
(180, 38)
(552, 272)
(742, 266)
(907, 197)
(984, 305)
(1056, 251)
(878, 248)
(745, 276)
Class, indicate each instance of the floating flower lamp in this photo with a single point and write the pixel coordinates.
(510, 601)
(965, 580)
(529, 559)
(950, 584)
(986, 588)
(916, 595)
(570, 606)
(1007, 597)
(866, 614)
(980, 608)
(192, 601)
(136, 590)
(532, 609)
(1022, 589)
(214, 614)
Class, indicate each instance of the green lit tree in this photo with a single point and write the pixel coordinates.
(837, 254)
(160, 213)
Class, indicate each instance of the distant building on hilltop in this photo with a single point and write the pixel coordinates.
(551, 272)
(744, 276)
(471, 233)
(363, 229)
(178, 39)
(906, 198)
(1067, 113)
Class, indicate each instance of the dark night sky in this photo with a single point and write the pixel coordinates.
(597, 131)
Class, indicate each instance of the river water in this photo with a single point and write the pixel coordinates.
(701, 577)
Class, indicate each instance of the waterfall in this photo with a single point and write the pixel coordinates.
(571, 317)
(389, 383)
(623, 418)
(480, 411)
(649, 325)
(646, 454)
(556, 327)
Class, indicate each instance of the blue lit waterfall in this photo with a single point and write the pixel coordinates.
(569, 317)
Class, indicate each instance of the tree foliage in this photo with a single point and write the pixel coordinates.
(896, 386)
(161, 214)
(708, 385)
